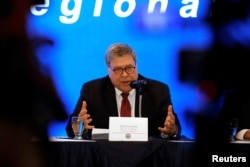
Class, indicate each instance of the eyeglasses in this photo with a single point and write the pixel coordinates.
(128, 70)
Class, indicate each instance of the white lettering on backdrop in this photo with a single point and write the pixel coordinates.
(71, 15)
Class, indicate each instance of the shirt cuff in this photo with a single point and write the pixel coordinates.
(165, 136)
(240, 135)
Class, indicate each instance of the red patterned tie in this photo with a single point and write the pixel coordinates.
(125, 106)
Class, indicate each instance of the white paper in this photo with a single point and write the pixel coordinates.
(128, 129)
(98, 133)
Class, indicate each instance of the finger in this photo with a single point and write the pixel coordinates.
(86, 121)
(89, 127)
(169, 121)
(86, 124)
(167, 130)
(84, 117)
(84, 105)
(170, 118)
(83, 110)
(163, 130)
(170, 112)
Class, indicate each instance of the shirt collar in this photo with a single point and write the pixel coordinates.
(118, 92)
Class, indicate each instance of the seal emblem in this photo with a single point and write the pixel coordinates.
(127, 135)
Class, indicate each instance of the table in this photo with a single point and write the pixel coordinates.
(154, 153)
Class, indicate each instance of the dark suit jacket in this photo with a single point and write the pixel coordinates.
(101, 104)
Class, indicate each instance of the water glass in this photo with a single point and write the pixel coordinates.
(233, 124)
(77, 126)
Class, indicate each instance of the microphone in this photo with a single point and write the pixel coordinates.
(138, 83)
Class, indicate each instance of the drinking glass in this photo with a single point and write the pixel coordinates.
(233, 125)
(77, 126)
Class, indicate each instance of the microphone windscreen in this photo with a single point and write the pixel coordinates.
(138, 83)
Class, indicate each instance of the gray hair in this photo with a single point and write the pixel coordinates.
(118, 50)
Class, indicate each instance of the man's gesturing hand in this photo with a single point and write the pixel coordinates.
(85, 117)
(169, 124)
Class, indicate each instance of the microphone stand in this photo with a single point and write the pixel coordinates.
(140, 100)
(139, 85)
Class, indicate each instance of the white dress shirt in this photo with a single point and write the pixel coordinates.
(131, 98)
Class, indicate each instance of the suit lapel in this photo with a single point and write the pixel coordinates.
(110, 99)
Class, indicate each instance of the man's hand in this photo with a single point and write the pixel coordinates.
(169, 124)
(85, 117)
(247, 135)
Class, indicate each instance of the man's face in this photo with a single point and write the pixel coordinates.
(120, 77)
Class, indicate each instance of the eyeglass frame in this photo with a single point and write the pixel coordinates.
(119, 70)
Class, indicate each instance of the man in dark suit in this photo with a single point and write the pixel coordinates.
(101, 98)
